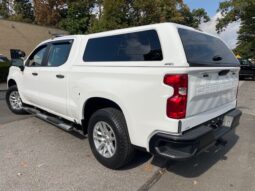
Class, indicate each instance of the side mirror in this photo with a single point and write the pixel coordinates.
(16, 54)
(17, 58)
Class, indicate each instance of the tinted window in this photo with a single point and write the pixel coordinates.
(245, 62)
(36, 58)
(139, 46)
(59, 53)
(205, 50)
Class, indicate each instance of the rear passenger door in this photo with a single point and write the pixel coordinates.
(53, 78)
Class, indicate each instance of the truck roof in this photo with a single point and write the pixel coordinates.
(126, 30)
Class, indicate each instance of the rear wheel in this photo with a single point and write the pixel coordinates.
(14, 101)
(109, 139)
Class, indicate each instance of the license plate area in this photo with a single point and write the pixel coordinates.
(228, 121)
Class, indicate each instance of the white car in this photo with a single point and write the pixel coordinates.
(166, 88)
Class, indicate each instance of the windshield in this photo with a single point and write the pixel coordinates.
(205, 50)
(245, 62)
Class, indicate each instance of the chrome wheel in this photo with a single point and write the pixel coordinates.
(15, 100)
(104, 139)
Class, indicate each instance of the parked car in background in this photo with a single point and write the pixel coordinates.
(247, 69)
(4, 68)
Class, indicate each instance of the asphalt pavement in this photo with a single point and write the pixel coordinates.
(220, 168)
(5, 114)
(38, 156)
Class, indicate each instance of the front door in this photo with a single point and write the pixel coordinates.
(53, 78)
(30, 74)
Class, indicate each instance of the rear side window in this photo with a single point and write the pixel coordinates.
(59, 53)
(139, 46)
(205, 50)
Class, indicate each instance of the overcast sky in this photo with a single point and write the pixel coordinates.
(211, 6)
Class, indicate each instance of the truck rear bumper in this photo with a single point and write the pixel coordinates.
(194, 141)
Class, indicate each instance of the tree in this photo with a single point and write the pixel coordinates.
(170, 11)
(78, 17)
(24, 10)
(240, 10)
(48, 12)
(86, 16)
(125, 13)
(114, 16)
(144, 12)
(4, 8)
(199, 16)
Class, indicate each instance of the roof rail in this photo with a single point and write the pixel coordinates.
(57, 35)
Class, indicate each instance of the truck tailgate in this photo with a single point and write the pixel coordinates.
(211, 89)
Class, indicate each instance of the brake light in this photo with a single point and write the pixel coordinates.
(177, 104)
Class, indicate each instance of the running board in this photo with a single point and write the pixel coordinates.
(50, 119)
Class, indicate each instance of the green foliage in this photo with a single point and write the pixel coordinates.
(88, 16)
(240, 10)
(114, 16)
(199, 16)
(23, 11)
(77, 18)
(125, 13)
(143, 13)
(4, 11)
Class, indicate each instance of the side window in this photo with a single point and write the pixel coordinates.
(139, 46)
(59, 53)
(36, 58)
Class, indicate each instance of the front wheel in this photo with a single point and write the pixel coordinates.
(109, 139)
(14, 101)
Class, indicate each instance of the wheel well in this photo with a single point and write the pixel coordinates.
(11, 83)
(94, 104)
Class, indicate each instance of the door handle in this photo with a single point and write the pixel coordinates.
(60, 76)
(35, 74)
(224, 72)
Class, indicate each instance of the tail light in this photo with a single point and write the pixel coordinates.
(177, 104)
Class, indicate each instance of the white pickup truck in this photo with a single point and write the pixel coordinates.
(166, 88)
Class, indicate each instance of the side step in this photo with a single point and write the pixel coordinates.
(50, 119)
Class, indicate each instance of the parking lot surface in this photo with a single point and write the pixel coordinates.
(221, 168)
(38, 156)
(5, 114)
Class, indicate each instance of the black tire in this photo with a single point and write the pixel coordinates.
(124, 149)
(8, 93)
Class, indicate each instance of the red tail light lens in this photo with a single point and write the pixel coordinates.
(177, 104)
